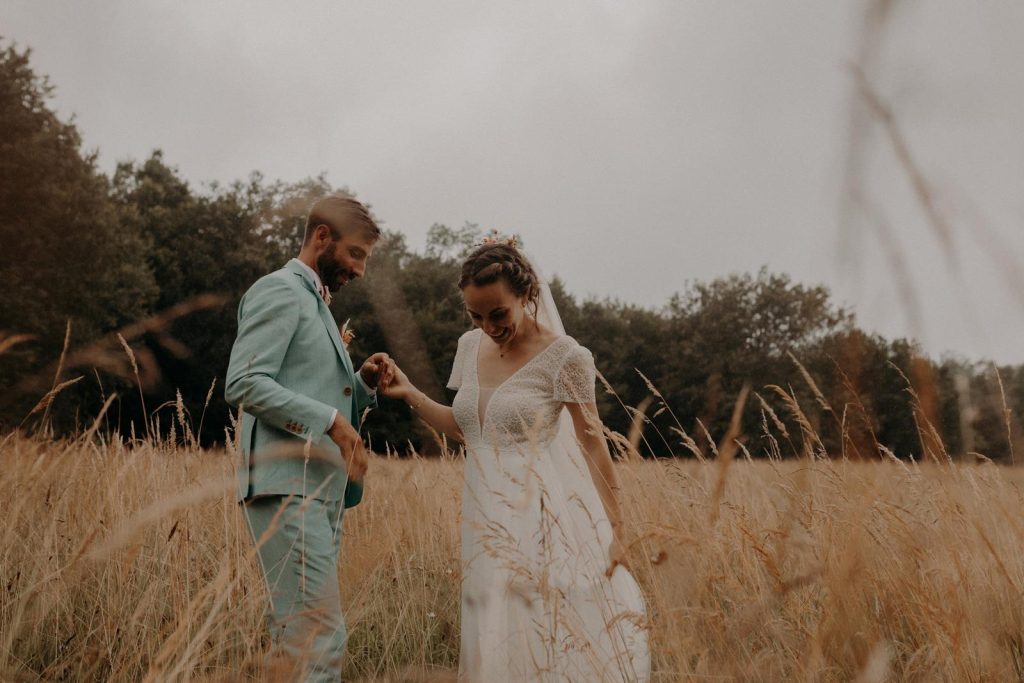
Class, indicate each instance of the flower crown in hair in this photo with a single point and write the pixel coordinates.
(495, 237)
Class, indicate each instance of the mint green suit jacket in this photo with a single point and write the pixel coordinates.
(289, 371)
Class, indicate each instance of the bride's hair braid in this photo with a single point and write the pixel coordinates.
(489, 263)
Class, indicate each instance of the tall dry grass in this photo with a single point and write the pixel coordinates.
(128, 565)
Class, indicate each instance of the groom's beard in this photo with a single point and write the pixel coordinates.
(330, 270)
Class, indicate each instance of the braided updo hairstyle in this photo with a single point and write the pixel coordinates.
(489, 263)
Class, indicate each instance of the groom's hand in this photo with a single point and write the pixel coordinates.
(351, 445)
(378, 370)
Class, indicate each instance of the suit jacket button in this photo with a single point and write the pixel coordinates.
(348, 391)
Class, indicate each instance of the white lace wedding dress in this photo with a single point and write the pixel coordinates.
(536, 605)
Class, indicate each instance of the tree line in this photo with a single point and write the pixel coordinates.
(118, 313)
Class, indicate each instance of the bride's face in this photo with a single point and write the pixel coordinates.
(495, 309)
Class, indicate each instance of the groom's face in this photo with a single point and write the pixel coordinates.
(344, 259)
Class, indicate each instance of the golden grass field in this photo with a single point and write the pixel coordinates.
(129, 565)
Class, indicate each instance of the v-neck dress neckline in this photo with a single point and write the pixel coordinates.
(481, 410)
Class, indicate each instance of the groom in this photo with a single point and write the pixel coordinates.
(302, 458)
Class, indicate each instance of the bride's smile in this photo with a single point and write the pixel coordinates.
(498, 312)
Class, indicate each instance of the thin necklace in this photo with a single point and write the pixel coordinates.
(502, 350)
(507, 347)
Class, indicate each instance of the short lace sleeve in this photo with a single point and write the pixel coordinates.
(461, 353)
(576, 378)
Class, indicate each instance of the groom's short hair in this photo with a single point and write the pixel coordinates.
(343, 214)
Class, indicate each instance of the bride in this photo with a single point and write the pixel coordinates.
(545, 596)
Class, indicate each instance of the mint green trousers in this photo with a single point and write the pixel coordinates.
(298, 541)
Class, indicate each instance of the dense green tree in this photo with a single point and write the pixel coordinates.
(986, 421)
(743, 329)
(864, 379)
(66, 256)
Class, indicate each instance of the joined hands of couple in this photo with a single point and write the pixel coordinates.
(378, 372)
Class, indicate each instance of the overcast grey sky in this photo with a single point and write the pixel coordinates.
(633, 145)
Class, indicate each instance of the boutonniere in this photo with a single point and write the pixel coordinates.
(347, 334)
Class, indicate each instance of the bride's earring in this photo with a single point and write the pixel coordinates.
(534, 317)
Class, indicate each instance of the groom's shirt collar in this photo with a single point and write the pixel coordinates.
(313, 274)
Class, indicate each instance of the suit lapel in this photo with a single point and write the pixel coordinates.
(325, 315)
(335, 334)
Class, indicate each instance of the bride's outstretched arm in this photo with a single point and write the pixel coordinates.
(590, 433)
(437, 415)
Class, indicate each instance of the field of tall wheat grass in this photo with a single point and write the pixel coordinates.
(129, 564)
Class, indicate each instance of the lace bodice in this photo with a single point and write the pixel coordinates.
(525, 407)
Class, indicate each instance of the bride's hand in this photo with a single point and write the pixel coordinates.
(399, 386)
(617, 556)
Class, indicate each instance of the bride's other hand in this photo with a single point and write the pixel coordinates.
(617, 556)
